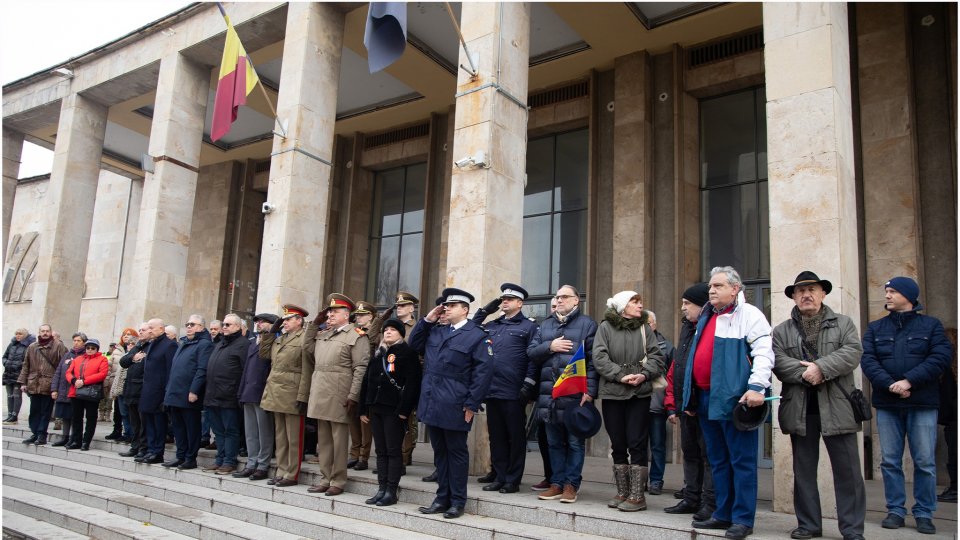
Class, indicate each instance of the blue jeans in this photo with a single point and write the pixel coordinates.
(658, 446)
(204, 425)
(225, 422)
(125, 418)
(566, 455)
(733, 458)
(919, 426)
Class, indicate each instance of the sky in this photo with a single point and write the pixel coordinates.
(38, 34)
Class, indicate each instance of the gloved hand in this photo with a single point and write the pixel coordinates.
(386, 314)
(275, 329)
(302, 408)
(351, 407)
(528, 392)
(321, 317)
(492, 306)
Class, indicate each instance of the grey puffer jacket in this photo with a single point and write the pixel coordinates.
(838, 355)
(618, 350)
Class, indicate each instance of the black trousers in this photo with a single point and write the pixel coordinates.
(544, 449)
(138, 426)
(186, 431)
(452, 459)
(82, 408)
(41, 407)
(628, 425)
(388, 431)
(507, 425)
(697, 476)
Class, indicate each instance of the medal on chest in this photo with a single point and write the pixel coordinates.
(391, 365)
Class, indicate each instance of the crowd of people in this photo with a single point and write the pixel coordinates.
(365, 378)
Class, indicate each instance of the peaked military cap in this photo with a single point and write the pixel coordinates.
(403, 297)
(337, 300)
(514, 290)
(452, 295)
(289, 310)
(365, 308)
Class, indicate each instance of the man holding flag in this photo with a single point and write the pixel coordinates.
(563, 350)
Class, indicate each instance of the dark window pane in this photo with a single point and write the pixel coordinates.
(572, 164)
(728, 140)
(729, 217)
(387, 265)
(569, 249)
(764, 227)
(388, 201)
(538, 310)
(411, 252)
(536, 199)
(413, 199)
(762, 134)
(535, 275)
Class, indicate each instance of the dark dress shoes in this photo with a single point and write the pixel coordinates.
(243, 474)
(510, 488)
(435, 508)
(85, 447)
(41, 441)
(129, 453)
(376, 496)
(61, 442)
(360, 466)
(738, 532)
(803, 533)
(73, 446)
(703, 514)
(173, 463)
(258, 474)
(150, 460)
(389, 498)
(30, 440)
(711, 524)
(487, 478)
(333, 491)
(493, 486)
(682, 507)
(285, 482)
(141, 458)
(187, 465)
(352, 462)
(432, 477)
(453, 512)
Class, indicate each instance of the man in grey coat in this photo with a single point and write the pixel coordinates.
(817, 352)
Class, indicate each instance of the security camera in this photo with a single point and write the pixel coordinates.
(479, 161)
(464, 163)
(267, 208)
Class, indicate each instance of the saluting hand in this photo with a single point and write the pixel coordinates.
(434, 314)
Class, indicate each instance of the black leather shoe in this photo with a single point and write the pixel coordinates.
(454, 512)
(510, 488)
(243, 474)
(487, 478)
(711, 524)
(678, 494)
(493, 486)
(129, 453)
(432, 477)
(259, 474)
(376, 496)
(85, 446)
(41, 441)
(949, 495)
(360, 466)
(30, 440)
(113, 436)
(389, 498)
(187, 465)
(142, 458)
(73, 446)
(352, 462)
(153, 460)
(682, 507)
(703, 514)
(435, 508)
(738, 532)
(803, 533)
(173, 463)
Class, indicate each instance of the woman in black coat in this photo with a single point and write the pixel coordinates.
(390, 391)
(12, 364)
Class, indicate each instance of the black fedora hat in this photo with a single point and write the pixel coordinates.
(583, 421)
(808, 278)
(747, 418)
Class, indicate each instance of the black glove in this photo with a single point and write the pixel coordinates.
(275, 329)
(301, 408)
(493, 306)
(321, 317)
(528, 392)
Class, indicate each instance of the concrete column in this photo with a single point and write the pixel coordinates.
(632, 213)
(166, 209)
(67, 213)
(12, 147)
(294, 235)
(813, 211)
(486, 204)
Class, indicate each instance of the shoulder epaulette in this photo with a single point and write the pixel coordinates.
(360, 331)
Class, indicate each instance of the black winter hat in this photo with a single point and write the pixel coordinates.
(396, 325)
(698, 293)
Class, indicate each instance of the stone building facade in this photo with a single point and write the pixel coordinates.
(624, 146)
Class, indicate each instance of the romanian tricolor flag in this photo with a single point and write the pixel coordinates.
(573, 380)
(237, 80)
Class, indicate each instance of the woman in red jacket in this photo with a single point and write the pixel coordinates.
(87, 370)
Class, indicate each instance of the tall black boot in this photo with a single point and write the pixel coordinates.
(390, 497)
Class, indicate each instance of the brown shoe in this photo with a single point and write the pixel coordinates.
(226, 469)
(317, 488)
(284, 482)
(333, 491)
(553, 493)
(569, 494)
(213, 467)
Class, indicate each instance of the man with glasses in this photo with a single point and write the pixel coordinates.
(456, 378)
(552, 347)
(224, 370)
(188, 375)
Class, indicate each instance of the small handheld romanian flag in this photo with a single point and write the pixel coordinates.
(573, 380)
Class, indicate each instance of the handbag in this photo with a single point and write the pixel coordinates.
(661, 381)
(861, 409)
(93, 392)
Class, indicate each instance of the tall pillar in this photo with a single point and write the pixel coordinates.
(486, 204)
(12, 148)
(294, 234)
(812, 191)
(67, 213)
(166, 208)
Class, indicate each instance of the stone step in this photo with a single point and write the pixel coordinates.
(80, 518)
(290, 510)
(20, 527)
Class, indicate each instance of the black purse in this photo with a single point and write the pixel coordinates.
(93, 392)
(862, 412)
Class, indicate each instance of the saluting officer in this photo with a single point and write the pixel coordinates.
(341, 352)
(506, 410)
(287, 389)
(456, 378)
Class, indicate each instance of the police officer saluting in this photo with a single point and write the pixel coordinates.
(506, 410)
(456, 378)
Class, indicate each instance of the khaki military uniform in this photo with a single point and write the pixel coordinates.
(410, 439)
(340, 361)
(291, 359)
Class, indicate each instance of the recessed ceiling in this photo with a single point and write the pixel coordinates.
(124, 143)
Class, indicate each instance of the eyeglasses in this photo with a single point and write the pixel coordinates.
(226, 324)
(561, 297)
(191, 324)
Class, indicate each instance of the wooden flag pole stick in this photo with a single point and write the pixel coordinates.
(473, 69)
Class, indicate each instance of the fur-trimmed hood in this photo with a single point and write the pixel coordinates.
(620, 322)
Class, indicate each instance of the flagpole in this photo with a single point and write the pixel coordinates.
(453, 19)
(276, 117)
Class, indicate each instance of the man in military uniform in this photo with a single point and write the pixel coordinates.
(456, 378)
(287, 389)
(361, 435)
(341, 353)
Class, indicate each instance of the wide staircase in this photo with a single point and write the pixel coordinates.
(52, 493)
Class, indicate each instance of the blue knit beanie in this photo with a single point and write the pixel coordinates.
(905, 286)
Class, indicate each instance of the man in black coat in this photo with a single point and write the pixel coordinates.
(132, 388)
(224, 371)
(184, 393)
(157, 360)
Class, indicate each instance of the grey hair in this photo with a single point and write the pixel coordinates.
(199, 317)
(217, 322)
(651, 315)
(232, 316)
(80, 335)
(733, 278)
(171, 328)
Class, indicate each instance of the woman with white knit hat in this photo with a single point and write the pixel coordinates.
(628, 359)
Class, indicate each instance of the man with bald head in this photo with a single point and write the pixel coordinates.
(157, 360)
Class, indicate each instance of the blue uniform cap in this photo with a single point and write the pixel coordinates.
(514, 290)
(453, 295)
